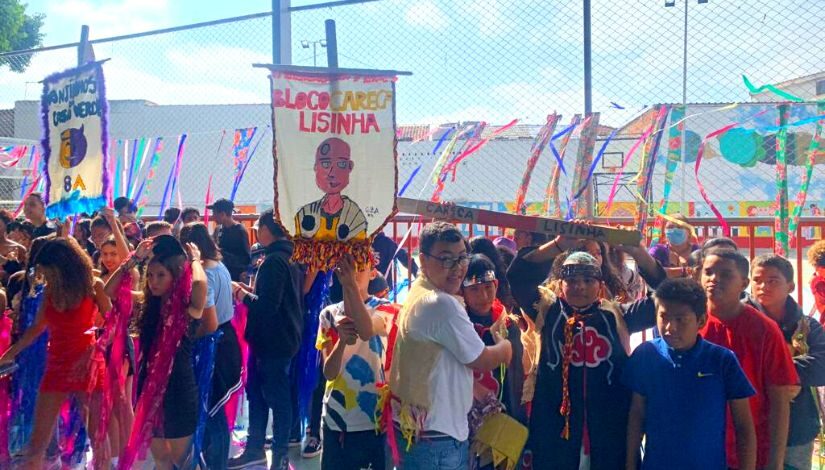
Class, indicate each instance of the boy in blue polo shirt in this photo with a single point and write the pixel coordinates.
(682, 386)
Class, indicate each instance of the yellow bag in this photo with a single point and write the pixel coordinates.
(500, 440)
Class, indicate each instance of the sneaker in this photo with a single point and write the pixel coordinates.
(246, 459)
(312, 448)
(294, 442)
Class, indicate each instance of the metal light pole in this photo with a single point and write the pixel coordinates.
(588, 77)
(320, 42)
(671, 3)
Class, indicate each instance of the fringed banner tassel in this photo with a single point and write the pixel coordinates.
(239, 323)
(308, 360)
(203, 360)
(26, 380)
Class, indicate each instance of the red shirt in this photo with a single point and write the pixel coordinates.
(760, 347)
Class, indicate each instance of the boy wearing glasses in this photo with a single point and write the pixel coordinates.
(436, 348)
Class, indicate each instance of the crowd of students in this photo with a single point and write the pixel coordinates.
(533, 329)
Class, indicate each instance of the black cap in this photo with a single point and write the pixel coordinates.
(222, 205)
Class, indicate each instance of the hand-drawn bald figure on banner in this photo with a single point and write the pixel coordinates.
(338, 132)
(334, 216)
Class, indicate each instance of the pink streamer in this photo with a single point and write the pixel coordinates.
(149, 410)
(5, 399)
(454, 164)
(719, 217)
(26, 196)
(239, 323)
(206, 203)
(115, 329)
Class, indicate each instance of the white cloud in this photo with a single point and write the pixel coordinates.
(109, 18)
(426, 14)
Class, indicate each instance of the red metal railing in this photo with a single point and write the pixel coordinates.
(756, 235)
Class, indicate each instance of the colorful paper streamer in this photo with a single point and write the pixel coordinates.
(539, 144)
(802, 195)
(781, 245)
(551, 193)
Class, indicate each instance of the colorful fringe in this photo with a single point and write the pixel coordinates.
(115, 331)
(239, 323)
(72, 434)
(26, 380)
(5, 396)
(203, 361)
(74, 204)
(565, 407)
(307, 362)
(149, 410)
(320, 256)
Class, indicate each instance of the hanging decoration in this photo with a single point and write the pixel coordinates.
(645, 176)
(781, 217)
(551, 194)
(540, 142)
(75, 141)
(674, 157)
(584, 159)
(802, 195)
(346, 139)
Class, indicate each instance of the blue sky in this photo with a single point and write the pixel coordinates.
(492, 60)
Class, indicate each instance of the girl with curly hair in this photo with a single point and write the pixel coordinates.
(73, 300)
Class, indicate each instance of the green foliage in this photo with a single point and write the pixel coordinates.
(18, 31)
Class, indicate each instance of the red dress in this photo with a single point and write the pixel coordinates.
(72, 362)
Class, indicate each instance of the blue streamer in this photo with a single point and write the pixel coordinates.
(594, 164)
(25, 184)
(203, 360)
(72, 435)
(409, 180)
(307, 362)
(801, 122)
(238, 179)
(558, 134)
(570, 215)
(166, 194)
(131, 168)
(74, 204)
(442, 139)
(26, 380)
(398, 289)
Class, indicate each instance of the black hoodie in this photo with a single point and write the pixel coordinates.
(804, 425)
(275, 322)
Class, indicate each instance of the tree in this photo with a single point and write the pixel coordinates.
(18, 31)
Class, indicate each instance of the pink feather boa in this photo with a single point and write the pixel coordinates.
(115, 328)
(239, 323)
(5, 398)
(149, 410)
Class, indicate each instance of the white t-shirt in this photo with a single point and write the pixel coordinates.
(350, 400)
(440, 318)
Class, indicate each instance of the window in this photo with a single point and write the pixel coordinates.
(820, 87)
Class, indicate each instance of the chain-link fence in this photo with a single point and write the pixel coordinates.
(478, 65)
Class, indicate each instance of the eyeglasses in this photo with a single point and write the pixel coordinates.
(450, 263)
(342, 164)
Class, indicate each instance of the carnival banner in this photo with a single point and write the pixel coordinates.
(334, 143)
(74, 112)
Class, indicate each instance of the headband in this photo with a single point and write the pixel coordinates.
(586, 270)
(488, 276)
